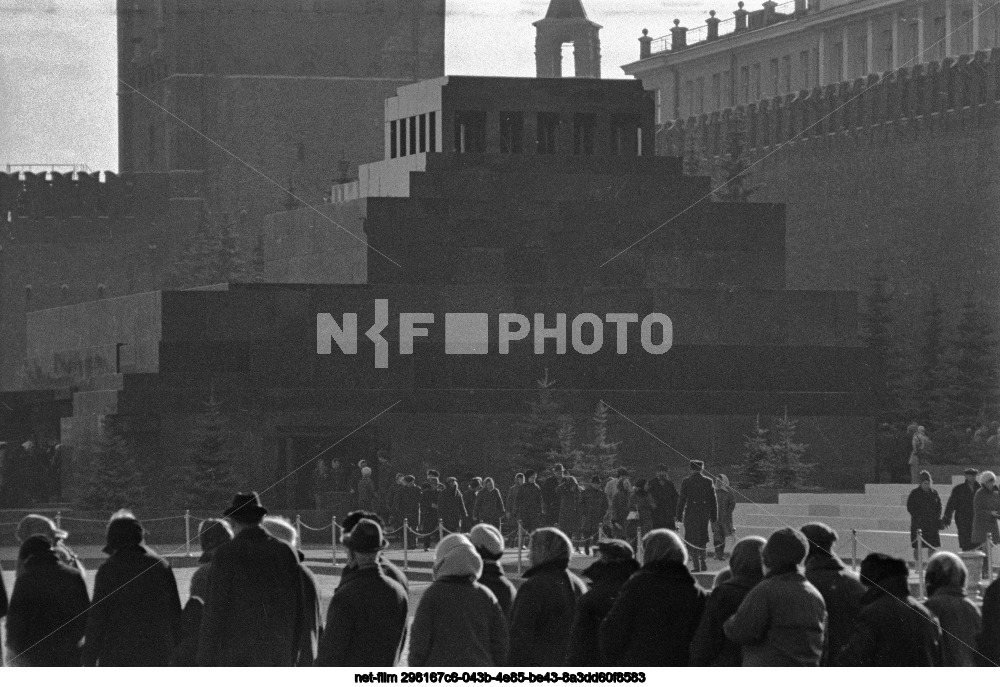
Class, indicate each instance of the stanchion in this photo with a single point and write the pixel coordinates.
(920, 564)
(520, 541)
(406, 544)
(333, 539)
(638, 544)
(600, 532)
(187, 533)
(298, 529)
(440, 530)
(854, 550)
(989, 557)
(59, 519)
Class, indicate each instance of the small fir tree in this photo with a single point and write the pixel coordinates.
(568, 453)
(600, 456)
(756, 458)
(887, 375)
(208, 475)
(786, 469)
(538, 433)
(972, 393)
(212, 256)
(112, 479)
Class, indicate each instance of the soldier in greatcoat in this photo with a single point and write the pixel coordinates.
(696, 508)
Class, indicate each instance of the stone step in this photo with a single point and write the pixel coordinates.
(841, 499)
(840, 524)
(820, 511)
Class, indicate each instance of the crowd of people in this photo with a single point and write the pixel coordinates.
(600, 507)
(787, 600)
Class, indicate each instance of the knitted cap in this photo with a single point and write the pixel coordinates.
(487, 540)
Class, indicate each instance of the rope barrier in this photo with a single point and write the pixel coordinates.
(316, 529)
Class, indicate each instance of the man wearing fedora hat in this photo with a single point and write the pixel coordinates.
(254, 611)
(960, 505)
(366, 621)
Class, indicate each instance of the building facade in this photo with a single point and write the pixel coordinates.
(798, 46)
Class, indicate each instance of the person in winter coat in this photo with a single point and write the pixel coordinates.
(593, 506)
(986, 510)
(511, 500)
(469, 496)
(841, 589)
(530, 506)
(542, 615)
(312, 614)
(451, 506)
(697, 508)
(988, 643)
(665, 496)
(459, 621)
(489, 545)
(893, 629)
(924, 507)
(781, 621)
(407, 506)
(47, 614)
(709, 647)
(33, 524)
(253, 613)
(489, 507)
(135, 619)
(550, 494)
(366, 621)
(608, 574)
(212, 533)
(620, 507)
(642, 503)
(430, 492)
(722, 527)
(657, 611)
(367, 494)
(569, 509)
(611, 486)
(961, 621)
(389, 569)
(960, 504)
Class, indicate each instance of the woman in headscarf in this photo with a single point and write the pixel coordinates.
(489, 507)
(961, 620)
(458, 621)
(656, 613)
(710, 646)
(985, 511)
(135, 619)
(542, 616)
(722, 526)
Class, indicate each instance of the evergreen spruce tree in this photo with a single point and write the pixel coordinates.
(538, 434)
(734, 167)
(599, 456)
(568, 453)
(786, 468)
(208, 479)
(112, 479)
(972, 395)
(692, 156)
(931, 384)
(210, 257)
(756, 459)
(887, 376)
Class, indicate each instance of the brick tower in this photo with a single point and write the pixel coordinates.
(566, 22)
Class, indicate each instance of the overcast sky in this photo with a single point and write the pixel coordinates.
(57, 63)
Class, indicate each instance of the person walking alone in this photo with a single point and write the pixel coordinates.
(697, 509)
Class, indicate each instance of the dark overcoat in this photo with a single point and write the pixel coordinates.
(608, 579)
(47, 613)
(407, 504)
(253, 614)
(366, 621)
(960, 506)
(542, 616)
(489, 507)
(451, 509)
(842, 592)
(924, 508)
(696, 508)
(135, 619)
(665, 497)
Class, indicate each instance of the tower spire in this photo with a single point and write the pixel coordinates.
(566, 22)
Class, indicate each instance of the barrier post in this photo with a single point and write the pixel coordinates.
(298, 529)
(187, 533)
(920, 563)
(406, 544)
(520, 541)
(854, 550)
(989, 557)
(440, 530)
(638, 544)
(59, 519)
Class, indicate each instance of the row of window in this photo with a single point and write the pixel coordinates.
(470, 133)
(750, 85)
(412, 135)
